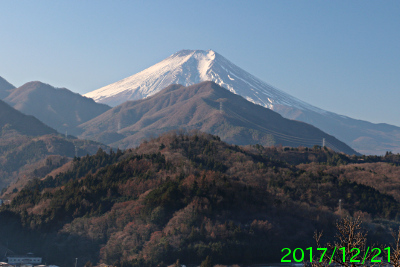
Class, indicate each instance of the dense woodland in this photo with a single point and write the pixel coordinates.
(190, 196)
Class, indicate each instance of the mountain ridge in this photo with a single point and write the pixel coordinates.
(25, 124)
(29, 147)
(59, 108)
(204, 62)
(5, 88)
(207, 107)
(188, 67)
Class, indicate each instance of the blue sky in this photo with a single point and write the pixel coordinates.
(342, 56)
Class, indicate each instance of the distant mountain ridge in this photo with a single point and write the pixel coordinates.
(30, 148)
(188, 67)
(11, 119)
(206, 107)
(5, 88)
(57, 107)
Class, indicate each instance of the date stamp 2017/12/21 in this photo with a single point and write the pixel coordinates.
(354, 256)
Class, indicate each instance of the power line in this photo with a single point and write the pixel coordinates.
(282, 136)
(333, 147)
(293, 139)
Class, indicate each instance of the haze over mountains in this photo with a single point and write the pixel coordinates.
(29, 147)
(11, 119)
(189, 67)
(64, 110)
(57, 107)
(231, 117)
(5, 88)
(207, 107)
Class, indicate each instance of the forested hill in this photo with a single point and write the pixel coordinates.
(28, 146)
(189, 196)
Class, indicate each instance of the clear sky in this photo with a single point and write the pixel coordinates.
(342, 55)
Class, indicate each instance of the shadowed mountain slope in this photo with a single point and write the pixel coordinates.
(12, 119)
(57, 107)
(26, 145)
(5, 88)
(207, 107)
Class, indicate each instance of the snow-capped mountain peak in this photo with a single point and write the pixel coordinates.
(189, 67)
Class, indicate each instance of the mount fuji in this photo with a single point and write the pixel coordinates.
(188, 67)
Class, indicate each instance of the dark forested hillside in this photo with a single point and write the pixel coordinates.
(30, 148)
(189, 196)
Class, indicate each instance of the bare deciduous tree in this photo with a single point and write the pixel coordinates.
(349, 249)
(394, 250)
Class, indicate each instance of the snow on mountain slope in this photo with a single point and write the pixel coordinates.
(188, 67)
